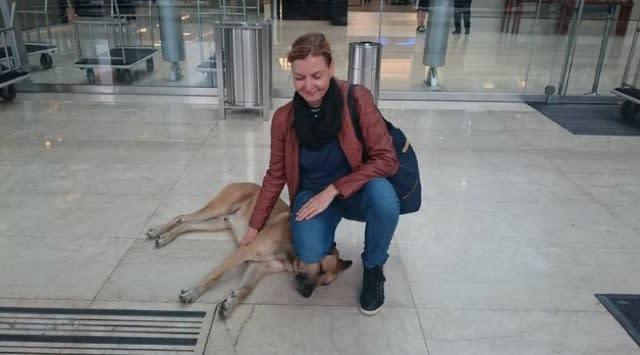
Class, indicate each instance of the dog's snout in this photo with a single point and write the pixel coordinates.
(304, 285)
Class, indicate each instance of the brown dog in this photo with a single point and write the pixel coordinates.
(271, 251)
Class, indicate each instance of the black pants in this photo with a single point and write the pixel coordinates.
(462, 9)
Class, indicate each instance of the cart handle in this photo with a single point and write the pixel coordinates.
(13, 12)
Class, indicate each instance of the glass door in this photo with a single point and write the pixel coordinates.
(586, 52)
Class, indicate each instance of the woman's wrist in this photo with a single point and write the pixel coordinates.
(333, 190)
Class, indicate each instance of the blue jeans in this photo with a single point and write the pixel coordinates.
(376, 204)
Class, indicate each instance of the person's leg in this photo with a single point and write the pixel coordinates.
(378, 206)
(467, 19)
(313, 238)
(421, 14)
(457, 14)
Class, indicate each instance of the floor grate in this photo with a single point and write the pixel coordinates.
(626, 310)
(33, 330)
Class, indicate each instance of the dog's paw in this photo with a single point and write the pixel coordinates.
(153, 233)
(160, 241)
(227, 306)
(189, 295)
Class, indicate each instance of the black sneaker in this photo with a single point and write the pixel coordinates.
(372, 294)
(456, 32)
(466, 31)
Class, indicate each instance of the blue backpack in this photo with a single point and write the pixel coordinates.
(406, 180)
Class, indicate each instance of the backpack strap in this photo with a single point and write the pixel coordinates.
(353, 111)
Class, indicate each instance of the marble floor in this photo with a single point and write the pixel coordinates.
(522, 222)
(486, 61)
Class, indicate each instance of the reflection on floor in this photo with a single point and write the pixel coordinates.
(522, 222)
(487, 60)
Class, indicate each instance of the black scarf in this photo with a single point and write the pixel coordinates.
(314, 132)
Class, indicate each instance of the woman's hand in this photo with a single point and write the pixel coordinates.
(249, 236)
(317, 204)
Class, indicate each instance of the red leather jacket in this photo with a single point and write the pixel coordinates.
(283, 164)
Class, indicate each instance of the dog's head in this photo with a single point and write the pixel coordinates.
(310, 276)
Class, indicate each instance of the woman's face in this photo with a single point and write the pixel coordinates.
(311, 77)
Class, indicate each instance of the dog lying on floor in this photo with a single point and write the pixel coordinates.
(271, 251)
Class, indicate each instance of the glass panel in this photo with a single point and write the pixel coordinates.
(590, 43)
(551, 48)
(548, 46)
(515, 46)
(492, 58)
(96, 43)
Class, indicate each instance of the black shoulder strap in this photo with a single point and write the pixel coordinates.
(353, 110)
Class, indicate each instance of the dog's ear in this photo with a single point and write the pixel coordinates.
(345, 264)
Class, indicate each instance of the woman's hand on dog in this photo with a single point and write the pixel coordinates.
(249, 236)
(317, 204)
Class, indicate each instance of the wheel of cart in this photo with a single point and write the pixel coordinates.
(123, 76)
(46, 62)
(10, 70)
(38, 17)
(91, 76)
(629, 110)
(8, 93)
(125, 55)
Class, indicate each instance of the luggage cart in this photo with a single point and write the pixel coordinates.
(44, 48)
(629, 92)
(207, 17)
(10, 67)
(124, 55)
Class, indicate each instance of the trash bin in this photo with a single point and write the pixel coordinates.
(245, 55)
(364, 65)
(246, 52)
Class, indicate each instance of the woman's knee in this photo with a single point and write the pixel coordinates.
(382, 197)
(311, 244)
(312, 238)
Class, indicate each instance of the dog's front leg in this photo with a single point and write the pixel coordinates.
(254, 272)
(242, 254)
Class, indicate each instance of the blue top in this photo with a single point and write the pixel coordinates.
(320, 168)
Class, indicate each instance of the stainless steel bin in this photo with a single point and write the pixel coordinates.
(246, 57)
(364, 65)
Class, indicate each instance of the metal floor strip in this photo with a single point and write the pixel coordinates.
(45, 330)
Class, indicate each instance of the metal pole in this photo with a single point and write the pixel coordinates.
(25, 18)
(120, 28)
(603, 50)
(46, 17)
(219, 67)
(571, 48)
(37, 21)
(531, 46)
(151, 28)
(274, 9)
(630, 57)
(380, 21)
(75, 25)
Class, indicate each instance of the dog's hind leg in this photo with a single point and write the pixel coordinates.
(242, 254)
(254, 272)
(226, 202)
(200, 215)
(211, 225)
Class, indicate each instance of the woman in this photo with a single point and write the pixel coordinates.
(315, 151)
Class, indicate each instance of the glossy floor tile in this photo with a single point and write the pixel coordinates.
(522, 222)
